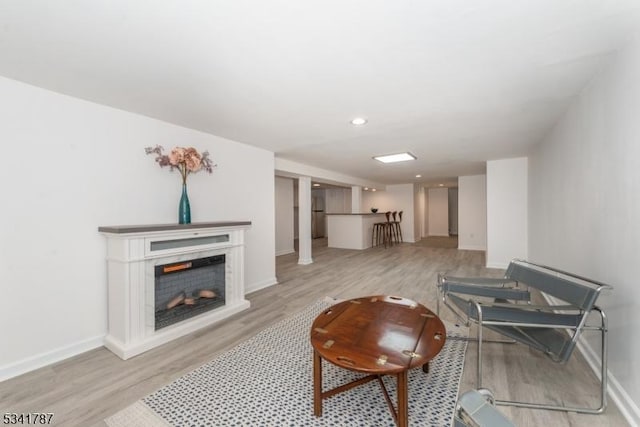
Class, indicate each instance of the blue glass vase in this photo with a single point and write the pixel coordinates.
(184, 210)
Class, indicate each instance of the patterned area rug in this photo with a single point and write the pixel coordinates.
(243, 387)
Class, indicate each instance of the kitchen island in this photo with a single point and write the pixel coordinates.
(351, 231)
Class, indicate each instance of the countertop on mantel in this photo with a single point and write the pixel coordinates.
(124, 229)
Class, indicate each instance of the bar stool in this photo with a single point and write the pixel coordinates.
(396, 227)
(381, 233)
(393, 232)
(376, 233)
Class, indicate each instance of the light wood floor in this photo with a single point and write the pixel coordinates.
(450, 242)
(85, 389)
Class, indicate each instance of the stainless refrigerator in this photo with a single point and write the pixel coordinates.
(317, 217)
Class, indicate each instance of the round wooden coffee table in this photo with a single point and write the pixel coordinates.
(376, 335)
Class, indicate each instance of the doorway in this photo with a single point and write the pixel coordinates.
(442, 211)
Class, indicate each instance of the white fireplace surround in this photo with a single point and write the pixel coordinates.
(132, 254)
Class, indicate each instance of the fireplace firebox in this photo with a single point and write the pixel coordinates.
(188, 288)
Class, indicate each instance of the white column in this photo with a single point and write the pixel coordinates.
(356, 199)
(304, 220)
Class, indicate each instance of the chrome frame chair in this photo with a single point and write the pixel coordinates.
(476, 408)
(553, 329)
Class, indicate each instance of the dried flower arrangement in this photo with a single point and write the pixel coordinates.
(186, 160)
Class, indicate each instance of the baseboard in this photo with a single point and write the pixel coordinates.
(285, 252)
(261, 285)
(39, 361)
(44, 359)
(628, 408)
(471, 248)
(438, 235)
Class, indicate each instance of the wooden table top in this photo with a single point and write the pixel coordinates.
(378, 334)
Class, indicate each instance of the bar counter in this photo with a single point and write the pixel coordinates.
(351, 230)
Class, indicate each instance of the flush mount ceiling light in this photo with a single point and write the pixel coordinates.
(316, 185)
(393, 158)
(359, 121)
(418, 176)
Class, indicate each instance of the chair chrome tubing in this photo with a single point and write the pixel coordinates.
(475, 408)
(465, 320)
(603, 369)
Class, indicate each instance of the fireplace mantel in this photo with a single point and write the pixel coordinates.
(129, 229)
(132, 253)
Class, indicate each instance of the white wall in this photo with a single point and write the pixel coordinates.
(506, 211)
(438, 211)
(71, 166)
(338, 200)
(395, 198)
(381, 200)
(402, 196)
(472, 212)
(584, 209)
(284, 215)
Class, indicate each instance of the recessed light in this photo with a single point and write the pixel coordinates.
(359, 121)
(392, 158)
(418, 176)
(316, 185)
(373, 189)
(366, 188)
(440, 185)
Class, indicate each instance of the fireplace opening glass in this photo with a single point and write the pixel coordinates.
(188, 288)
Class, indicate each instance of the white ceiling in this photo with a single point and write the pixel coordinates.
(455, 82)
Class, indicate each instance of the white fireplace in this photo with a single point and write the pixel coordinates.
(134, 256)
